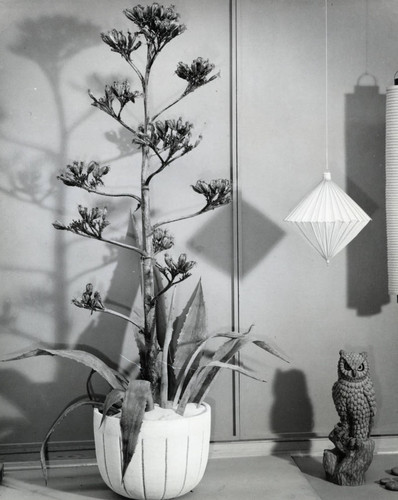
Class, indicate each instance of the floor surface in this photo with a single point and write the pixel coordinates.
(254, 478)
(265, 478)
(380, 468)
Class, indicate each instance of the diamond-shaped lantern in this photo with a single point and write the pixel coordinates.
(328, 218)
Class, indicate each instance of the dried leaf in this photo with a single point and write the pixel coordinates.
(82, 357)
(69, 409)
(193, 332)
(200, 375)
(114, 397)
(138, 398)
(223, 354)
(192, 358)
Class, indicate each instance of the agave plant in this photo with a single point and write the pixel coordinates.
(173, 370)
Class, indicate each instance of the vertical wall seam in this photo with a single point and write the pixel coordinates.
(236, 206)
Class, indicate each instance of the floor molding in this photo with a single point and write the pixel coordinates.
(63, 455)
(301, 447)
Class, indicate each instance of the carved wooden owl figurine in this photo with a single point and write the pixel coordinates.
(354, 395)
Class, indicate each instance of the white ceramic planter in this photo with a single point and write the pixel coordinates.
(169, 460)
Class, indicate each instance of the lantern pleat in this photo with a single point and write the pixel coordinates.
(328, 218)
(392, 188)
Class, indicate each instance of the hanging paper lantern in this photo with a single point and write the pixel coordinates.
(328, 218)
(392, 187)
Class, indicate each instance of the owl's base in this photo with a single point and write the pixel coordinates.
(349, 468)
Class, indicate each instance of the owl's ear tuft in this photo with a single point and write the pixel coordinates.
(364, 354)
(341, 352)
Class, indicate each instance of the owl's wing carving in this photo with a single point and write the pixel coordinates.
(370, 395)
(339, 400)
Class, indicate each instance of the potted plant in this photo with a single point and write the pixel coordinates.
(152, 431)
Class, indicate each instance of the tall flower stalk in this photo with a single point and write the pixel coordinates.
(161, 142)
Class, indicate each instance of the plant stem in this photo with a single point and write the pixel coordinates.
(124, 245)
(137, 71)
(169, 106)
(169, 221)
(148, 358)
(164, 382)
(119, 315)
(113, 242)
(113, 195)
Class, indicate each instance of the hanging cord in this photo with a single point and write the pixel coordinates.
(326, 90)
(366, 37)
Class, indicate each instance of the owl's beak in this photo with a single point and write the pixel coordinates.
(354, 373)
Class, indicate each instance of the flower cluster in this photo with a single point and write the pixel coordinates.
(92, 223)
(162, 240)
(123, 94)
(196, 74)
(119, 91)
(158, 24)
(85, 176)
(173, 269)
(172, 136)
(217, 192)
(89, 300)
(121, 43)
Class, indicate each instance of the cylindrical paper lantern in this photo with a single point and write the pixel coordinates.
(392, 187)
(328, 218)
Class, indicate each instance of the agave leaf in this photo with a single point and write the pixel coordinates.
(114, 397)
(82, 357)
(200, 374)
(134, 229)
(69, 409)
(137, 398)
(89, 384)
(122, 378)
(164, 384)
(160, 310)
(224, 354)
(270, 347)
(193, 332)
(236, 368)
(191, 359)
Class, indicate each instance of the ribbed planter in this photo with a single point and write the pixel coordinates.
(169, 460)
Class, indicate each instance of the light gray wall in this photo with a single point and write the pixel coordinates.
(313, 310)
(51, 55)
(285, 289)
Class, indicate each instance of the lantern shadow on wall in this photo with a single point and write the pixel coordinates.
(365, 157)
(259, 235)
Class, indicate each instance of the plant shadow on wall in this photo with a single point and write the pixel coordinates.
(292, 411)
(365, 160)
(50, 42)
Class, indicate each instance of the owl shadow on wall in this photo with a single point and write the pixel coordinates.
(365, 168)
(292, 412)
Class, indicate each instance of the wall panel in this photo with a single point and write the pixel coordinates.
(310, 309)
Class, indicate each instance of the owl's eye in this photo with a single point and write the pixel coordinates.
(347, 366)
(361, 367)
